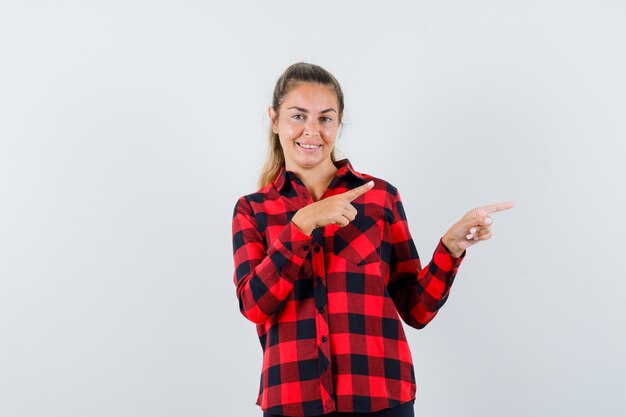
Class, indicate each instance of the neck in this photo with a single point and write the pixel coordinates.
(317, 179)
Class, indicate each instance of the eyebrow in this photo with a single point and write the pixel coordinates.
(303, 110)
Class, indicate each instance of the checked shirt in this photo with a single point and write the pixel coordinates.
(328, 306)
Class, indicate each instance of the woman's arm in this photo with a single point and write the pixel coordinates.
(418, 293)
(264, 275)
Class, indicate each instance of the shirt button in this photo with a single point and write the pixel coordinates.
(319, 280)
(321, 310)
(324, 339)
(317, 249)
(305, 247)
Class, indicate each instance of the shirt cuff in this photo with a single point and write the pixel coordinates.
(295, 240)
(444, 259)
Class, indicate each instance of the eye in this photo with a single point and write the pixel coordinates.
(298, 117)
(326, 119)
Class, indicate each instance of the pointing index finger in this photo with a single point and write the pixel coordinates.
(356, 192)
(492, 208)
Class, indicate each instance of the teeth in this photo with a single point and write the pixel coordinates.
(306, 146)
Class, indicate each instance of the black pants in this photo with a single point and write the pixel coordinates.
(403, 410)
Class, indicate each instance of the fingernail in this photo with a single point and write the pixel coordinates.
(469, 237)
(370, 183)
(488, 220)
(473, 230)
(475, 237)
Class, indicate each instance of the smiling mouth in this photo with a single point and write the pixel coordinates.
(308, 146)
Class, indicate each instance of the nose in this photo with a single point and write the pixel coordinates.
(311, 128)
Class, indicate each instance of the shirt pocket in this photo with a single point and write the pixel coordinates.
(359, 241)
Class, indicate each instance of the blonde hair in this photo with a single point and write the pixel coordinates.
(299, 72)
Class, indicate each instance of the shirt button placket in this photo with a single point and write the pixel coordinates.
(321, 321)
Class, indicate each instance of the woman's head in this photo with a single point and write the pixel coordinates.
(307, 108)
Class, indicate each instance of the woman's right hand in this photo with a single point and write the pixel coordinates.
(332, 210)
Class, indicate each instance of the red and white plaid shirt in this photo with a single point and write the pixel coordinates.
(328, 306)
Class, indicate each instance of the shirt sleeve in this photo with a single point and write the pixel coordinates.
(418, 293)
(264, 273)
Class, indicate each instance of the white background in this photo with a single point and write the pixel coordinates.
(129, 129)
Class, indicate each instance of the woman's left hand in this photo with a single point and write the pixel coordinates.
(474, 227)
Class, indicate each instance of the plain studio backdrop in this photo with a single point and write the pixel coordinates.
(129, 129)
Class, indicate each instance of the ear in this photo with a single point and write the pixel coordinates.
(273, 119)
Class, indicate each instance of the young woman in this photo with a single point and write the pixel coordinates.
(325, 266)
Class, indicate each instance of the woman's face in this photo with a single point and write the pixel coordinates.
(307, 125)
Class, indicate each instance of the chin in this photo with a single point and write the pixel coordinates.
(312, 162)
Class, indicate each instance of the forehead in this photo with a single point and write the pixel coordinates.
(312, 96)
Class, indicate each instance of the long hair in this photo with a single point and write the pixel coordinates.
(299, 72)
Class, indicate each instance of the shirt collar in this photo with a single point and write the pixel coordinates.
(344, 167)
